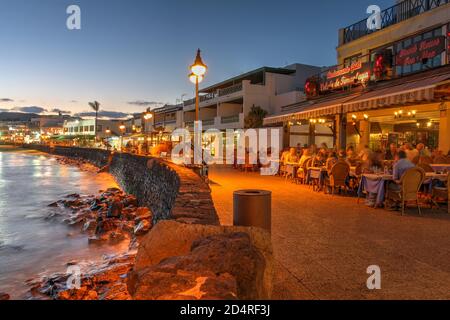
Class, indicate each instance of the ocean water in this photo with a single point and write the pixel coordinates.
(32, 242)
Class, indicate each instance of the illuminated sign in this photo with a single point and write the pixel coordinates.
(421, 51)
(356, 74)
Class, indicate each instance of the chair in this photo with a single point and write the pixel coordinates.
(303, 171)
(410, 182)
(426, 167)
(338, 176)
(439, 194)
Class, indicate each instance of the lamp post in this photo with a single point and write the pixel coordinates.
(122, 131)
(198, 70)
(108, 132)
(147, 116)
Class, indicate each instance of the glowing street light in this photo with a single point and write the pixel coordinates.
(198, 71)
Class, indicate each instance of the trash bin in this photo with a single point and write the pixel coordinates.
(252, 208)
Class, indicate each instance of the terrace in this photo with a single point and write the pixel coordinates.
(400, 12)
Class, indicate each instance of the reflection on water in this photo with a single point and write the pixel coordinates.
(30, 244)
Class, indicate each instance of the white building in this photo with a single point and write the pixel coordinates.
(86, 127)
(226, 104)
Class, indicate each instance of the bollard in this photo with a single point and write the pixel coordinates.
(252, 208)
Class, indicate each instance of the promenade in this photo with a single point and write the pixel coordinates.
(323, 244)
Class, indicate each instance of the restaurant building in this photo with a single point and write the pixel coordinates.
(390, 85)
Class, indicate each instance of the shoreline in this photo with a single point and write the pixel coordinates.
(108, 218)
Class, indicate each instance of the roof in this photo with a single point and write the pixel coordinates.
(168, 108)
(248, 74)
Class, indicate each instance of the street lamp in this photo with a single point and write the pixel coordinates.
(122, 131)
(198, 70)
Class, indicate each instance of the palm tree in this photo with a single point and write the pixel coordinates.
(96, 107)
(255, 117)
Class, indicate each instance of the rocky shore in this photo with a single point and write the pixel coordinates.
(108, 218)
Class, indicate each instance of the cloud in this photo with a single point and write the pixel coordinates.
(73, 101)
(30, 109)
(104, 114)
(57, 110)
(143, 103)
(6, 100)
(4, 110)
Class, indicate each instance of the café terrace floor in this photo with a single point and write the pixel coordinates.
(323, 244)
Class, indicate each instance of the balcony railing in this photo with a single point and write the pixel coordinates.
(208, 122)
(230, 90)
(230, 119)
(393, 15)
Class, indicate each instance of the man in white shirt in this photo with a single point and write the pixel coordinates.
(411, 153)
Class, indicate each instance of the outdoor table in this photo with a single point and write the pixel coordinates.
(374, 183)
(319, 173)
(291, 169)
(431, 176)
(440, 167)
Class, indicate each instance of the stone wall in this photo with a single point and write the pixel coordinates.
(170, 191)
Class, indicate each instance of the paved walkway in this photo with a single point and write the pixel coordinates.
(323, 244)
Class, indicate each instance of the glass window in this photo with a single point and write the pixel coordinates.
(91, 128)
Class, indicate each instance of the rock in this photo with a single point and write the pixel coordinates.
(129, 200)
(54, 204)
(115, 209)
(143, 213)
(160, 283)
(221, 254)
(4, 296)
(116, 236)
(153, 246)
(142, 228)
(73, 195)
(89, 225)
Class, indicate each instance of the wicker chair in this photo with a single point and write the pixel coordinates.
(338, 176)
(410, 182)
(426, 167)
(441, 194)
(303, 171)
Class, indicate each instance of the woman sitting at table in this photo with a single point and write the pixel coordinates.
(331, 161)
(305, 157)
(292, 157)
(319, 160)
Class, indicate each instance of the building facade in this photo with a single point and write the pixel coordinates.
(390, 85)
(226, 104)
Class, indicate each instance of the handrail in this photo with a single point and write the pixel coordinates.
(390, 16)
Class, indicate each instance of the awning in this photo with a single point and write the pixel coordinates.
(419, 91)
(311, 110)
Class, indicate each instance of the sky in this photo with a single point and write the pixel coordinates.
(134, 54)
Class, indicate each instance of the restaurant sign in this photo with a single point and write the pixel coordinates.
(355, 74)
(420, 51)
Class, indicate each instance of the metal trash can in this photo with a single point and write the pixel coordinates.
(253, 208)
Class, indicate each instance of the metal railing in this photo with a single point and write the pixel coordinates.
(208, 122)
(393, 15)
(214, 95)
(229, 119)
(230, 90)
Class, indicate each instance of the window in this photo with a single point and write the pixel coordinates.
(86, 128)
(99, 128)
(431, 63)
(76, 129)
(91, 128)
(351, 60)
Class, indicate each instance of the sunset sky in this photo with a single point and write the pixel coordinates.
(134, 54)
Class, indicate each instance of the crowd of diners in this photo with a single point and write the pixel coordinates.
(394, 160)
(366, 159)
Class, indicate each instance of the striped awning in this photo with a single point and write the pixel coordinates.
(312, 110)
(420, 91)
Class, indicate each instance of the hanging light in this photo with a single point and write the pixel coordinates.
(366, 116)
(199, 68)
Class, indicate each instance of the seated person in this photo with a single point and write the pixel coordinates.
(392, 152)
(292, 157)
(284, 156)
(331, 161)
(305, 157)
(400, 167)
